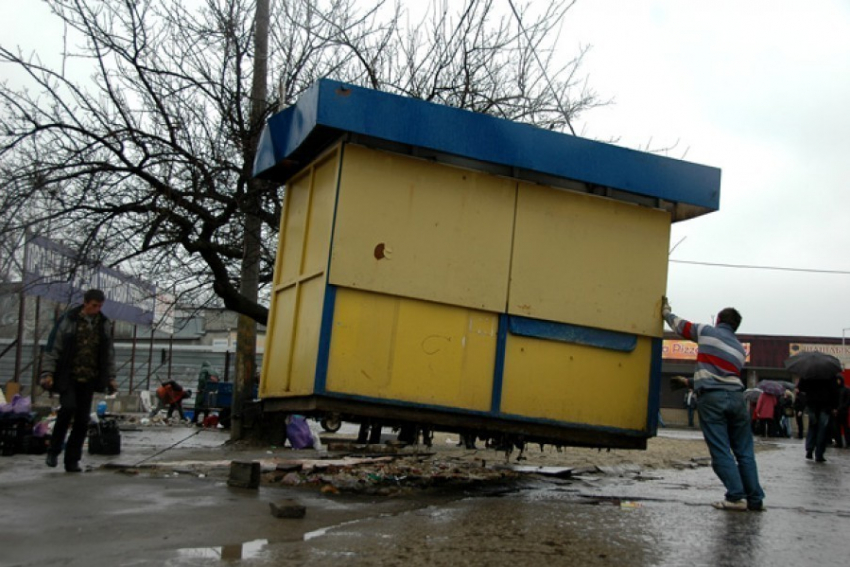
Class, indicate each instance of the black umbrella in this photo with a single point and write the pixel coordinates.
(813, 365)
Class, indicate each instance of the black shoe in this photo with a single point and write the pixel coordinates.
(51, 460)
(820, 460)
(808, 454)
(73, 467)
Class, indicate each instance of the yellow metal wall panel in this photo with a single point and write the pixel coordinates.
(291, 247)
(412, 351)
(414, 228)
(277, 354)
(588, 261)
(322, 202)
(305, 347)
(578, 384)
(297, 301)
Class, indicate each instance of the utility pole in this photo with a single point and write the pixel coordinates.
(246, 335)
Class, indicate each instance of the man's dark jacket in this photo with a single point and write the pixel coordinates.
(821, 395)
(62, 345)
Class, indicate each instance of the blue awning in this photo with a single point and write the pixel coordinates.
(330, 109)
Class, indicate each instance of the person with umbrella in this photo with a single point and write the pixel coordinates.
(765, 414)
(721, 406)
(819, 379)
(777, 396)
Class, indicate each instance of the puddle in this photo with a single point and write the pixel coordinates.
(245, 550)
(324, 531)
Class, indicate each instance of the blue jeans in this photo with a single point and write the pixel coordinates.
(818, 435)
(725, 424)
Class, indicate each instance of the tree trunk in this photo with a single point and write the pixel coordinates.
(246, 337)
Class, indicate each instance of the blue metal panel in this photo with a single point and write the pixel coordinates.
(321, 379)
(499, 369)
(654, 406)
(563, 332)
(294, 136)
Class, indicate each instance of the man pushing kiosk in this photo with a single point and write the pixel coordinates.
(722, 409)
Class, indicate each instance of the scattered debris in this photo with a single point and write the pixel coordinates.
(620, 470)
(244, 474)
(287, 509)
(559, 472)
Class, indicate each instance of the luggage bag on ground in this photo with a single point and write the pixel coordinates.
(104, 437)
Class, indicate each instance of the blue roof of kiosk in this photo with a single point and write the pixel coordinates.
(328, 109)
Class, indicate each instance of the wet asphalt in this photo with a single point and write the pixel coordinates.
(187, 517)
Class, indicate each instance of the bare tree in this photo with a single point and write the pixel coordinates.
(145, 162)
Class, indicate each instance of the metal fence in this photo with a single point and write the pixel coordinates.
(141, 370)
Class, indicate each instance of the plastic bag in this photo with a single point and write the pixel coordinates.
(19, 404)
(315, 430)
(41, 429)
(298, 432)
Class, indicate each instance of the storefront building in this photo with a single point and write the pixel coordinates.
(766, 355)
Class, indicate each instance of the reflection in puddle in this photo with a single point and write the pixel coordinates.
(245, 550)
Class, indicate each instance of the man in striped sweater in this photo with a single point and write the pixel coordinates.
(723, 415)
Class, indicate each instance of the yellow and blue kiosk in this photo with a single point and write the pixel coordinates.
(442, 267)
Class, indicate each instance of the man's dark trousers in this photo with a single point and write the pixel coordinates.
(75, 405)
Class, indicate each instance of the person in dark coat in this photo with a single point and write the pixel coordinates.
(79, 361)
(799, 412)
(821, 407)
(206, 385)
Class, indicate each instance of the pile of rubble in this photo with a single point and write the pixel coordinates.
(384, 475)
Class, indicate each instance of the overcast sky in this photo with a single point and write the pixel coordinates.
(757, 88)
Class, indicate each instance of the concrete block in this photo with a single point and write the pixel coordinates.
(244, 474)
(287, 509)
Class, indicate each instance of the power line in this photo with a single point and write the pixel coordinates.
(751, 267)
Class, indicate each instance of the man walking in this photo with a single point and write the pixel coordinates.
(79, 361)
(722, 409)
(821, 407)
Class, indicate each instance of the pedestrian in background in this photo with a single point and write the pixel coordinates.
(79, 360)
(691, 405)
(786, 412)
(723, 411)
(206, 381)
(171, 395)
(800, 411)
(821, 405)
(765, 414)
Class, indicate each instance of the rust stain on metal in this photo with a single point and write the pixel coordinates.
(380, 251)
(342, 91)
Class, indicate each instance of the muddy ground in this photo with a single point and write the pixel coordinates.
(390, 469)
